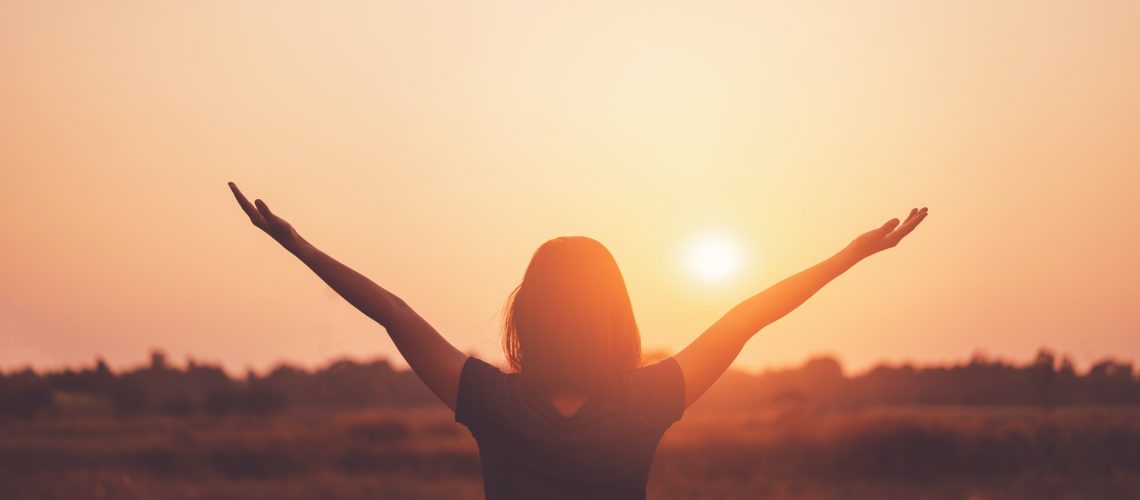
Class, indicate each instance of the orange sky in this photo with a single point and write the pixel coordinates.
(434, 148)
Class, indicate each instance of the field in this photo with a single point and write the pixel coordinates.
(886, 452)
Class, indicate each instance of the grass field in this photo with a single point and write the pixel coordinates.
(913, 453)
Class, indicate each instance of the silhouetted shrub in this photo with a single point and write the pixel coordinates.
(260, 398)
(222, 400)
(24, 395)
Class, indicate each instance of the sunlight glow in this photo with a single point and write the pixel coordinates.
(713, 258)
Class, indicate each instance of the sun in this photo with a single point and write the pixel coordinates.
(713, 258)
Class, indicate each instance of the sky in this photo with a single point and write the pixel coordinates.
(435, 146)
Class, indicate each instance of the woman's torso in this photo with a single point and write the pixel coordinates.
(535, 444)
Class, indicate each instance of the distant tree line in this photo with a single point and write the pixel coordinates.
(206, 389)
(1046, 382)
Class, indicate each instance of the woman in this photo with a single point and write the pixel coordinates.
(578, 416)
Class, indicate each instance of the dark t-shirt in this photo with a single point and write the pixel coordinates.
(603, 451)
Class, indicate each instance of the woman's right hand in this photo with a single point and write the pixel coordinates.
(886, 236)
(276, 227)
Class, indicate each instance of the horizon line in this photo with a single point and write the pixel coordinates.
(648, 355)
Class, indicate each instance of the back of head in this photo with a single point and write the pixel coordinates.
(569, 325)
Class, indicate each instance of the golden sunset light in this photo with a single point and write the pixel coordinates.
(619, 249)
(713, 258)
(431, 149)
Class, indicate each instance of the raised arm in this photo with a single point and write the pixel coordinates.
(704, 360)
(430, 356)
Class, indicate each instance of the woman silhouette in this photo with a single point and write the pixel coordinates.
(578, 416)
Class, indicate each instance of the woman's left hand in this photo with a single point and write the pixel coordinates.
(276, 227)
(886, 236)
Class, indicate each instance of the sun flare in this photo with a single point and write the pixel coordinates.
(713, 258)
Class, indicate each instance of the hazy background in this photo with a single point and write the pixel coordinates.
(434, 146)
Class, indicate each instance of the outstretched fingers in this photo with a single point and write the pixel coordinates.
(889, 225)
(254, 215)
(266, 215)
(912, 221)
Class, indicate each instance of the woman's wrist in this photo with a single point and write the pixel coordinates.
(301, 248)
(850, 255)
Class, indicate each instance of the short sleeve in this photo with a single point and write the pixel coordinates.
(482, 389)
(659, 389)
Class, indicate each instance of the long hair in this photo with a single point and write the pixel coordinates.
(569, 325)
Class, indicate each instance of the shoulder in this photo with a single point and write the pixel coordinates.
(478, 367)
(659, 391)
(482, 388)
(665, 368)
(477, 375)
